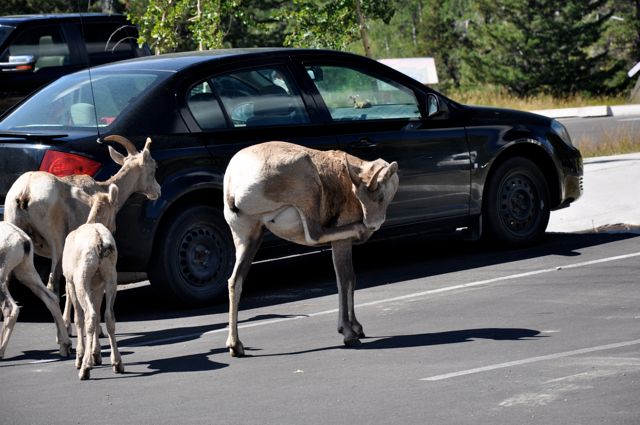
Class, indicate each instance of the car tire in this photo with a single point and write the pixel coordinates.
(193, 257)
(516, 204)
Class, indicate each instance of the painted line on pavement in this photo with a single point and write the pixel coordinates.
(437, 291)
(179, 338)
(531, 360)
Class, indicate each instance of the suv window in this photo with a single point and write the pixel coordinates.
(108, 42)
(46, 44)
(352, 95)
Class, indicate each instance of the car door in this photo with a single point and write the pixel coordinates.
(374, 116)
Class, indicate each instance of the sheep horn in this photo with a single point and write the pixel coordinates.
(147, 144)
(126, 143)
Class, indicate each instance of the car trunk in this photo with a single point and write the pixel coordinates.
(17, 158)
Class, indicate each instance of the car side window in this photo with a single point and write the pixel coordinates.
(353, 95)
(259, 97)
(46, 44)
(205, 107)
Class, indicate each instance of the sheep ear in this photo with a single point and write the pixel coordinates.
(147, 145)
(389, 171)
(354, 172)
(373, 181)
(117, 157)
(113, 194)
(81, 195)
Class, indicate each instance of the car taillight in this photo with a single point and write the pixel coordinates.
(64, 164)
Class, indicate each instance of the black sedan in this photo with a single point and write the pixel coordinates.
(494, 173)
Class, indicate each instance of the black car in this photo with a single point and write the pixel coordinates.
(37, 49)
(494, 172)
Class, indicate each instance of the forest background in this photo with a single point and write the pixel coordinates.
(516, 53)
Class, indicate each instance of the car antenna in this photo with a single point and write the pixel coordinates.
(93, 96)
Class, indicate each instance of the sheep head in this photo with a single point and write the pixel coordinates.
(374, 184)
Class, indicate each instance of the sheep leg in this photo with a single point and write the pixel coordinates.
(97, 294)
(79, 322)
(27, 274)
(111, 291)
(90, 320)
(348, 326)
(10, 311)
(316, 234)
(247, 236)
(66, 315)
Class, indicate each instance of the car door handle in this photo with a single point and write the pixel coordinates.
(363, 143)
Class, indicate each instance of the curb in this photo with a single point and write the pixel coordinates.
(591, 111)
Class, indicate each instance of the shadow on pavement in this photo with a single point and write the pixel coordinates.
(309, 276)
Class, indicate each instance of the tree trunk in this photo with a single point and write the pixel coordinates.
(363, 29)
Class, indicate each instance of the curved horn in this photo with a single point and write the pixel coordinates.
(126, 143)
(147, 144)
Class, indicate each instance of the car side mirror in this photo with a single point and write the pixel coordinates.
(433, 105)
(19, 63)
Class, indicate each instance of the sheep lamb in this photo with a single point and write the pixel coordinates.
(16, 256)
(89, 267)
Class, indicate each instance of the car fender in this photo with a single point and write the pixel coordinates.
(143, 218)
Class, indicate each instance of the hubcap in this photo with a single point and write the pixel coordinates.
(199, 255)
(518, 199)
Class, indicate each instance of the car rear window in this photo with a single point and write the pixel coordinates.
(69, 102)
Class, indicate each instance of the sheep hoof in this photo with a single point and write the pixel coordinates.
(118, 367)
(84, 374)
(65, 349)
(355, 342)
(237, 350)
(97, 359)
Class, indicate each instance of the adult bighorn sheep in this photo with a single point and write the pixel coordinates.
(309, 197)
(41, 204)
(16, 256)
(89, 267)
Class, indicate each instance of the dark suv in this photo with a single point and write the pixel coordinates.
(37, 49)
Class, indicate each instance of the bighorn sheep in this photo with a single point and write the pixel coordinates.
(89, 267)
(309, 197)
(16, 256)
(41, 203)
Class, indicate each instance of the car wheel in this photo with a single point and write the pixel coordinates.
(516, 204)
(193, 256)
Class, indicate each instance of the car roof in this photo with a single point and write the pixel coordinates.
(15, 20)
(178, 61)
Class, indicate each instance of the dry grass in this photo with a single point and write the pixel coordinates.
(501, 98)
(613, 143)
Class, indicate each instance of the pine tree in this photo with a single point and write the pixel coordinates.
(540, 46)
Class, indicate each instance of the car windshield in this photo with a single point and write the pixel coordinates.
(68, 103)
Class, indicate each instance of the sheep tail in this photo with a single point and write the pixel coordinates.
(231, 203)
(22, 200)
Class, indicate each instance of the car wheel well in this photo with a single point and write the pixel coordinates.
(213, 198)
(541, 160)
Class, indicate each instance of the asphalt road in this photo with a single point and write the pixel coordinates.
(457, 333)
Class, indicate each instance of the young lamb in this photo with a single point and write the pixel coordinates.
(89, 267)
(16, 256)
(309, 197)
